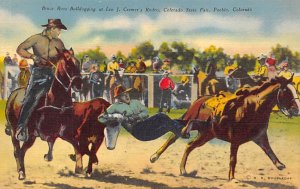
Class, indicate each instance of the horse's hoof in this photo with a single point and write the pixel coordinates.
(48, 158)
(88, 174)
(21, 175)
(236, 181)
(154, 158)
(183, 172)
(191, 174)
(280, 166)
(78, 170)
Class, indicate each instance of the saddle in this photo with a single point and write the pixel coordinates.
(214, 106)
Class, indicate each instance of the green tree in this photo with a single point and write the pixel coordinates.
(165, 50)
(145, 49)
(94, 54)
(217, 54)
(284, 53)
(182, 55)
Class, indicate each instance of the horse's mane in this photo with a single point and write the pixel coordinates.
(257, 89)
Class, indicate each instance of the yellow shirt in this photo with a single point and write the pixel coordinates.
(263, 71)
(185, 79)
(286, 74)
(229, 68)
(112, 66)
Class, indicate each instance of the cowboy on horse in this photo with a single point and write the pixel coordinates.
(44, 46)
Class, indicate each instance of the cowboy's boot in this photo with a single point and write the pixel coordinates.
(22, 133)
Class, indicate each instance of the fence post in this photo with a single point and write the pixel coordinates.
(194, 92)
(150, 91)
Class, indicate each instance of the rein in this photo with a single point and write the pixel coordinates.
(283, 109)
(67, 88)
(71, 79)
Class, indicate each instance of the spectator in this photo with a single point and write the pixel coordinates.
(156, 64)
(285, 71)
(271, 65)
(121, 63)
(140, 65)
(262, 72)
(15, 60)
(113, 65)
(131, 68)
(7, 59)
(166, 64)
(24, 75)
(183, 89)
(86, 64)
(97, 82)
(166, 86)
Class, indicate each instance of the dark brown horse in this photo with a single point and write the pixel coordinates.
(57, 116)
(242, 119)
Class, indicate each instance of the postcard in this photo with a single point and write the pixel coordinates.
(149, 94)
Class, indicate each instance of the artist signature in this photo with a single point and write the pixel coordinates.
(260, 177)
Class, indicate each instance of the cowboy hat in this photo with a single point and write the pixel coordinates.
(55, 23)
(23, 64)
(262, 56)
(120, 90)
(166, 72)
(166, 60)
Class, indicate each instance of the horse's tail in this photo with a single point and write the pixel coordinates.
(13, 106)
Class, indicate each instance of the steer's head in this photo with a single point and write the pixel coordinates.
(111, 132)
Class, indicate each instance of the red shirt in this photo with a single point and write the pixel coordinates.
(271, 62)
(166, 83)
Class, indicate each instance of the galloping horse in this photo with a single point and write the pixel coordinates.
(56, 116)
(242, 119)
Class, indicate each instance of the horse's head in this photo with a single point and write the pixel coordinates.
(287, 98)
(67, 71)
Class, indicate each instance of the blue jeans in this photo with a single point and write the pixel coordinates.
(39, 84)
(155, 127)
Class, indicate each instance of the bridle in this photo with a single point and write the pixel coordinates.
(71, 79)
(67, 88)
(279, 104)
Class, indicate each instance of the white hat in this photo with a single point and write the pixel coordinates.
(262, 56)
(166, 72)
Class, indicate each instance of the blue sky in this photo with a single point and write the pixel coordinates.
(269, 22)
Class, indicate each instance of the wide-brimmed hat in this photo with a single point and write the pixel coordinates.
(167, 60)
(55, 23)
(262, 56)
(119, 90)
(23, 63)
(166, 72)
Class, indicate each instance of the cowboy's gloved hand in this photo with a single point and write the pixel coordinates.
(36, 58)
